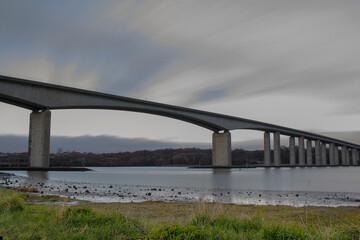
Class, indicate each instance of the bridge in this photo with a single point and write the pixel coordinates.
(41, 98)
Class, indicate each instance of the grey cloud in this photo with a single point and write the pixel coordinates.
(107, 144)
(291, 47)
(96, 144)
(353, 137)
(211, 94)
(279, 47)
(69, 32)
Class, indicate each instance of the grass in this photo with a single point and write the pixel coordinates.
(20, 218)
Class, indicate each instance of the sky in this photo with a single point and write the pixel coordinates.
(286, 62)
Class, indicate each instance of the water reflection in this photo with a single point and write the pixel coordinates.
(41, 175)
(221, 170)
(221, 178)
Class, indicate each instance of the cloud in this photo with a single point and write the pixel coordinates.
(112, 144)
(44, 69)
(293, 63)
(96, 144)
(251, 48)
(70, 36)
(353, 137)
(188, 52)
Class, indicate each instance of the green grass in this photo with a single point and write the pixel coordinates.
(20, 218)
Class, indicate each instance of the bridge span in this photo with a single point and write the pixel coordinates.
(41, 98)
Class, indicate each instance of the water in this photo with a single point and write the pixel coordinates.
(324, 179)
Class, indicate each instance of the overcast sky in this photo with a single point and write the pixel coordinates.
(287, 62)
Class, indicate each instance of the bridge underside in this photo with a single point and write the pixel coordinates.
(43, 97)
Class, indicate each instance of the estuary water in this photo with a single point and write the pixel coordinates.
(323, 179)
(332, 186)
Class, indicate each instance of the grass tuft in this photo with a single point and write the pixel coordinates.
(11, 201)
(281, 232)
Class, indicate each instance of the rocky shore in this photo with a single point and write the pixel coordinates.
(137, 193)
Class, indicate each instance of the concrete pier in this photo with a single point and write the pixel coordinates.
(292, 151)
(331, 154)
(309, 157)
(317, 153)
(343, 155)
(221, 149)
(277, 149)
(267, 155)
(347, 156)
(336, 155)
(301, 151)
(355, 160)
(323, 154)
(39, 138)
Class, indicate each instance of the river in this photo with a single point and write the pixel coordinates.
(296, 186)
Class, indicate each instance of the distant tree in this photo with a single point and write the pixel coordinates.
(59, 150)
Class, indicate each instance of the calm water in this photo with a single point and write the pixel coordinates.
(328, 179)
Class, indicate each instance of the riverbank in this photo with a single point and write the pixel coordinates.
(46, 169)
(22, 217)
(106, 192)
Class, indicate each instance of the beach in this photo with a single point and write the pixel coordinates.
(105, 192)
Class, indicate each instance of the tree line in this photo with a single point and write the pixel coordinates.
(161, 157)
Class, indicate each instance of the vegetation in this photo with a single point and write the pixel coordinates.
(20, 218)
(162, 157)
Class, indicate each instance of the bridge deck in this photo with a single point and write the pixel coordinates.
(38, 96)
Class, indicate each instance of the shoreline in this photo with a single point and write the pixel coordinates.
(106, 193)
(45, 169)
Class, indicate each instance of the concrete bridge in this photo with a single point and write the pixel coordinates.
(40, 98)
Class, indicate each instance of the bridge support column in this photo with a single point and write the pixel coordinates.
(347, 156)
(292, 151)
(343, 155)
(267, 155)
(331, 154)
(323, 154)
(221, 149)
(277, 149)
(301, 151)
(336, 155)
(39, 138)
(355, 157)
(317, 153)
(309, 152)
